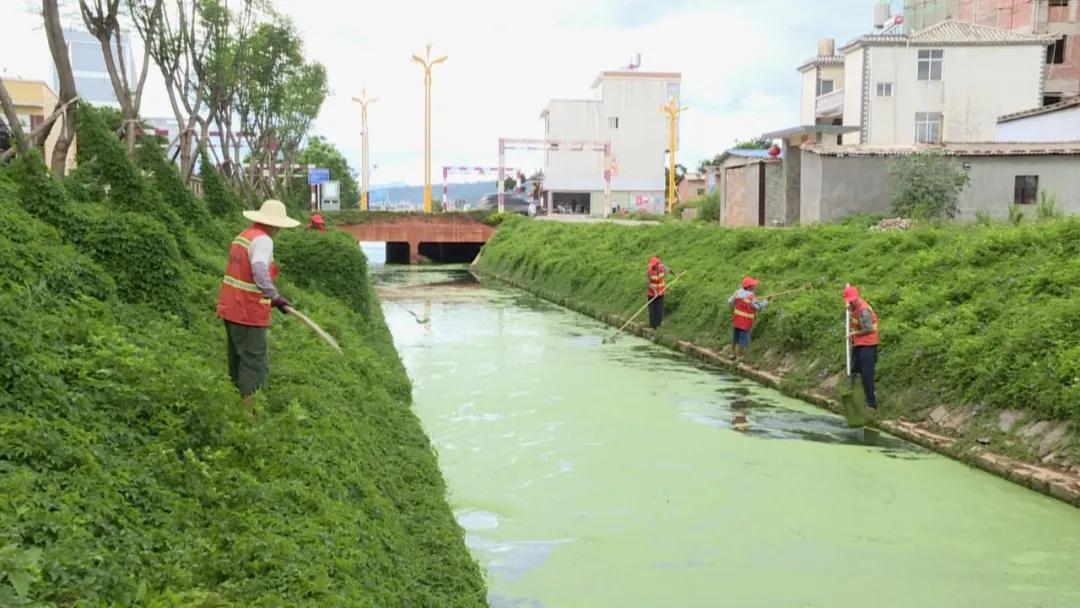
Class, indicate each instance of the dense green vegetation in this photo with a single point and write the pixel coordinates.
(128, 474)
(979, 315)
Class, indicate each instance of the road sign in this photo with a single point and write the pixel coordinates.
(318, 176)
(331, 196)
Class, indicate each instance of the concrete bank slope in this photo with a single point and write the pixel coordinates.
(798, 348)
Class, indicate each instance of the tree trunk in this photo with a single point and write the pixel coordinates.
(58, 47)
(21, 143)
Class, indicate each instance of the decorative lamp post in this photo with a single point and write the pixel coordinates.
(427, 62)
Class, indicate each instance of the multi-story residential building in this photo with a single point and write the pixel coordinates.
(626, 112)
(948, 82)
(1057, 18)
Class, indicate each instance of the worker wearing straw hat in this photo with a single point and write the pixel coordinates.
(247, 295)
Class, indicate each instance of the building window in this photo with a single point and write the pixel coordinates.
(1050, 99)
(1027, 190)
(1059, 2)
(825, 86)
(884, 89)
(930, 64)
(701, 192)
(1055, 53)
(928, 127)
(613, 122)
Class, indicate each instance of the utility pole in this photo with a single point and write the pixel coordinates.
(672, 109)
(427, 62)
(363, 100)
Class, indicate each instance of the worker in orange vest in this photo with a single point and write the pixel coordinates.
(655, 291)
(247, 295)
(744, 308)
(863, 334)
(317, 223)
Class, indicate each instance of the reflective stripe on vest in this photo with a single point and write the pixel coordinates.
(241, 301)
(744, 313)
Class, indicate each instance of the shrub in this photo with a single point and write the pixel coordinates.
(1046, 209)
(330, 262)
(220, 199)
(925, 185)
(38, 264)
(1016, 214)
(970, 314)
(166, 179)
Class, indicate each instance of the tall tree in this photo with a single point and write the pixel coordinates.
(102, 20)
(321, 153)
(175, 41)
(54, 31)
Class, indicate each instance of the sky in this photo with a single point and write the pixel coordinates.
(507, 58)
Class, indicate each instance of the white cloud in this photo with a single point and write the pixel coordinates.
(507, 58)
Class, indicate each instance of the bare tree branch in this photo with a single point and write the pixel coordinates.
(40, 132)
(58, 48)
(21, 144)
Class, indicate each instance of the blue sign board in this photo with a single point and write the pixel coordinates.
(318, 176)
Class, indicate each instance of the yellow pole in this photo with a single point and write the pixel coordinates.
(673, 110)
(427, 62)
(363, 100)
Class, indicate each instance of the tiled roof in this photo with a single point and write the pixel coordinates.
(822, 60)
(953, 33)
(1061, 105)
(994, 148)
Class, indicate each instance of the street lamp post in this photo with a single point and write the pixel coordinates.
(672, 109)
(363, 100)
(427, 62)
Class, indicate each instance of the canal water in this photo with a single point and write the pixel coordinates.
(591, 474)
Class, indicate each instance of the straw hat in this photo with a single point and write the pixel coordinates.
(272, 213)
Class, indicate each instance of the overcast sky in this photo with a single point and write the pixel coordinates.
(508, 57)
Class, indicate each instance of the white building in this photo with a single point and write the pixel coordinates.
(625, 111)
(947, 83)
(92, 81)
(1053, 123)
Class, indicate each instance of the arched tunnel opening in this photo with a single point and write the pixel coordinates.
(450, 253)
(397, 253)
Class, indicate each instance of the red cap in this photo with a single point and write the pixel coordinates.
(749, 282)
(317, 219)
(653, 261)
(850, 294)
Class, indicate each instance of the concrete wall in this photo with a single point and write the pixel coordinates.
(735, 196)
(639, 142)
(808, 96)
(775, 195)
(978, 85)
(1063, 125)
(993, 180)
(792, 172)
(835, 187)
(571, 170)
(853, 90)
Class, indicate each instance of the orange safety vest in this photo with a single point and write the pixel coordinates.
(241, 301)
(743, 315)
(657, 286)
(870, 339)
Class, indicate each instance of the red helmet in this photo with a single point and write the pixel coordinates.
(316, 219)
(749, 282)
(850, 294)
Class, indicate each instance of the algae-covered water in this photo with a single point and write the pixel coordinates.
(590, 474)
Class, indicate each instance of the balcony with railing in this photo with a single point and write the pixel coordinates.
(830, 104)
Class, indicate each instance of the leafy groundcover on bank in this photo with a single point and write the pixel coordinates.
(128, 474)
(970, 314)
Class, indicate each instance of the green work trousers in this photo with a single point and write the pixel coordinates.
(249, 358)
